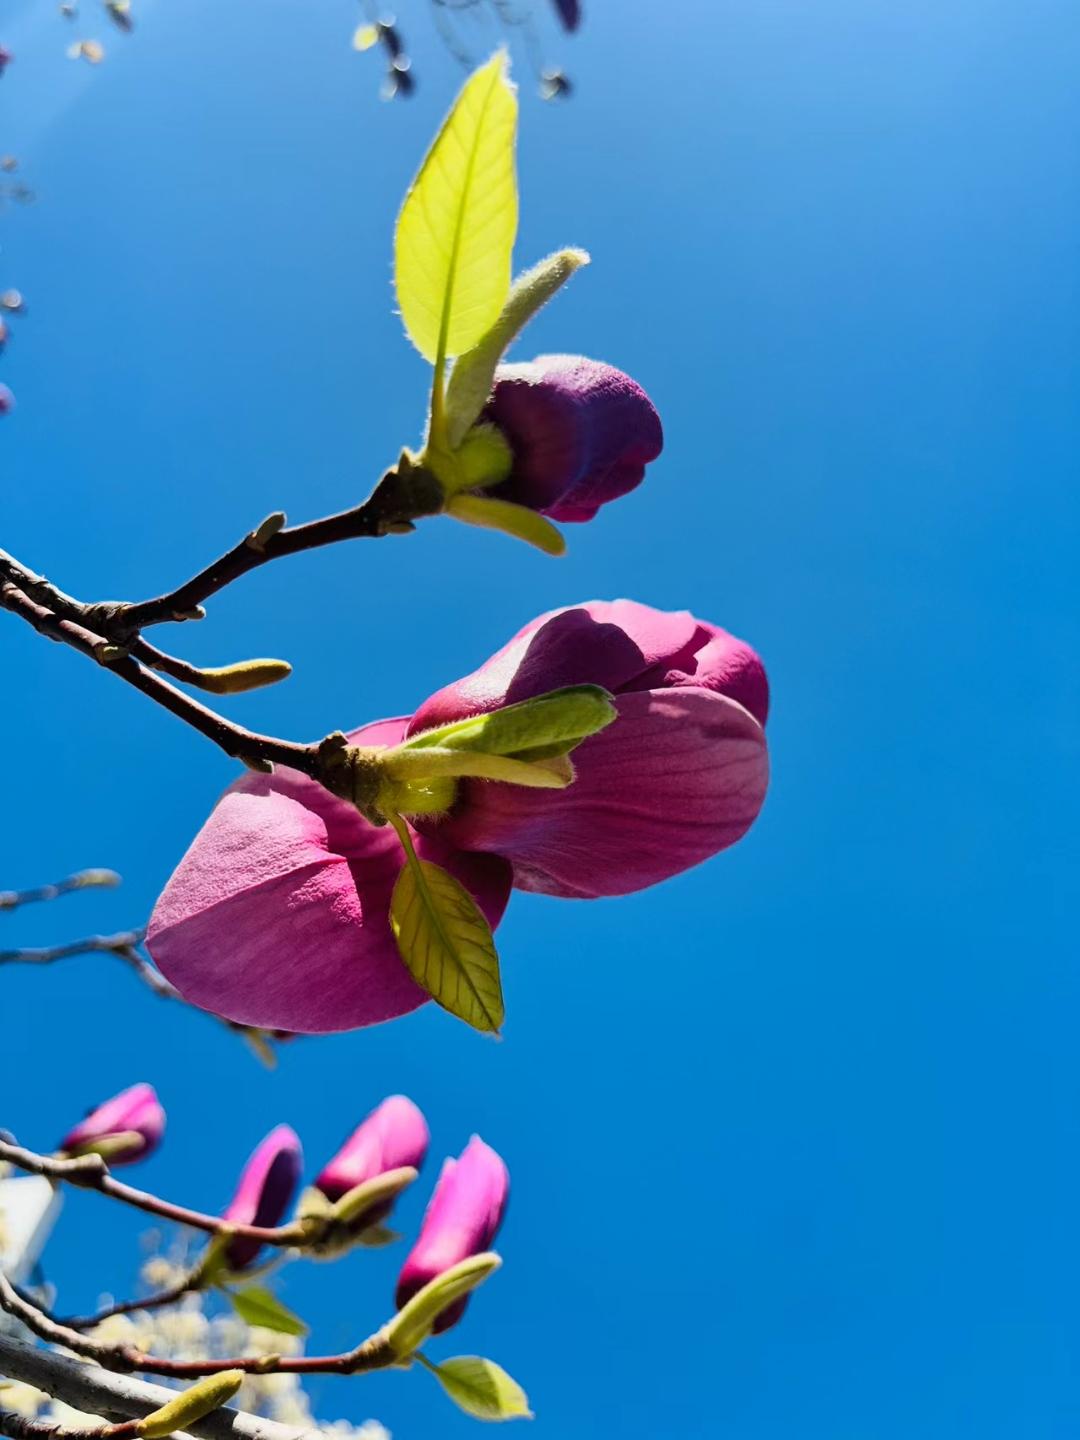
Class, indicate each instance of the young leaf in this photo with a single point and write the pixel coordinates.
(432, 761)
(471, 379)
(480, 1388)
(258, 1306)
(446, 943)
(412, 1324)
(554, 722)
(456, 229)
(372, 1194)
(517, 520)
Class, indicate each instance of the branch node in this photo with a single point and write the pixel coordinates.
(265, 532)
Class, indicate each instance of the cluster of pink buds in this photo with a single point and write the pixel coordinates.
(462, 1218)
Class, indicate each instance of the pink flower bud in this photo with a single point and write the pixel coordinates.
(462, 1219)
(265, 1191)
(393, 1135)
(581, 434)
(680, 775)
(124, 1129)
(278, 915)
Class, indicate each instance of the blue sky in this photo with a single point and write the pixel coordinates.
(793, 1137)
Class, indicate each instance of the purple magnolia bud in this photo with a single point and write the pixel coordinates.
(581, 434)
(7, 399)
(393, 1135)
(680, 775)
(278, 915)
(124, 1129)
(462, 1219)
(267, 1185)
(569, 12)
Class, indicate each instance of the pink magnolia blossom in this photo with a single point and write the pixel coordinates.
(278, 915)
(136, 1112)
(679, 775)
(267, 1184)
(393, 1135)
(580, 432)
(461, 1220)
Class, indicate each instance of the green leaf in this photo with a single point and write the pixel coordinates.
(517, 520)
(560, 718)
(191, 1405)
(472, 377)
(434, 762)
(456, 229)
(372, 1193)
(258, 1306)
(412, 1324)
(480, 1387)
(445, 941)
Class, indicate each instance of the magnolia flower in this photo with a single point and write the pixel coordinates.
(277, 916)
(580, 433)
(394, 1135)
(680, 774)
(267, 1184)
(124, 1129)
(462, 1219)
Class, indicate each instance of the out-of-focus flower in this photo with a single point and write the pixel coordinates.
(278, 915)
(12, 300)
(267, 1185)
(7, 399)
(6, 58)
(462, 1219)
(680, 775)
(581, 434)
(124, 1129)
(394, 1135)
(92, 51)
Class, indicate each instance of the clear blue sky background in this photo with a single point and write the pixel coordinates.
(793, 1137)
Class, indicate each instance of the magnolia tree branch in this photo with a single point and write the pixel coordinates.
(90, 1172)
(119, 1397)
(109, 632)
(375, 1353)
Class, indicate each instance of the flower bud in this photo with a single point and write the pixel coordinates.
(394, 1135)
(278, 915)
(462, 1220)
(122, 1130)
(267, 1185)
(580, 432)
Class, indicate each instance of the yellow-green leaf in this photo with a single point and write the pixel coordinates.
(446, 943)
(258, 1306)
(553, 723)
(480, 1387)
(511, 519)
(472, 377)
(456, 229)
(411, 1326)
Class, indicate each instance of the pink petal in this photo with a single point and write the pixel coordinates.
(278, 914)
(393, 1135)
(135, 1109)
(265, 1190)
(680, 775)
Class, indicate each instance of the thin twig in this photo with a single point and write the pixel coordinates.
(375, 1353)
(90, 1172)
(82, 880)
(121, 944)
(21, 1427)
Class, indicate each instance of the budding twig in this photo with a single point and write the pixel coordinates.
(375, 1353)
(90, 1172)
(81, 880)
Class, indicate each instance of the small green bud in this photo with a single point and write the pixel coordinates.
(190, 1405)
(244, 675)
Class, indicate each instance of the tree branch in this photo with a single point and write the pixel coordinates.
(90, 1172)
(118, 1397)
(81, 880)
